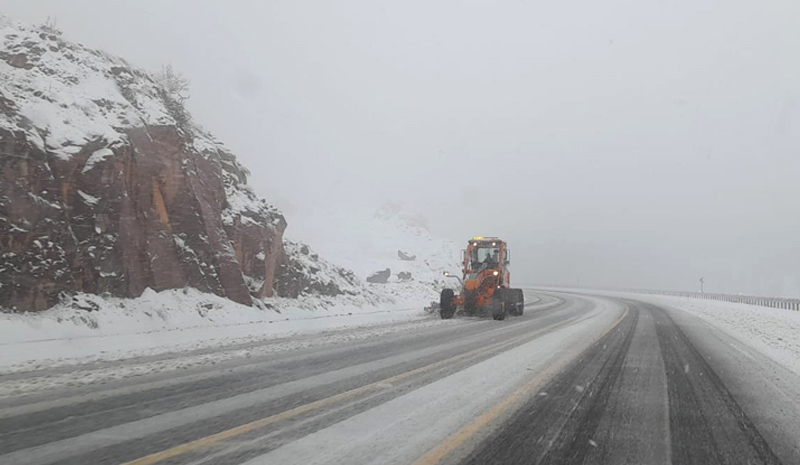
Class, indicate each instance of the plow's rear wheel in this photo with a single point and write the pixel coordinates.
(515, 302)
(446, 307)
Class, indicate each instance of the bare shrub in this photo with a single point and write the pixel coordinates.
(174, 83)
(50, 26)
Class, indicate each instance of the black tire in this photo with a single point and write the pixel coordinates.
(470, 303)
(519, 301)
(499, 310)
(511, 305)
(446, 307)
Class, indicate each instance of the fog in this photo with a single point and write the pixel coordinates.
(619, 143)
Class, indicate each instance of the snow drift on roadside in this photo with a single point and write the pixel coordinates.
(771, 331)
(90, 328)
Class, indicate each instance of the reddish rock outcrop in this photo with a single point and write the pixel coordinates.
(107, 187)
(152, 214)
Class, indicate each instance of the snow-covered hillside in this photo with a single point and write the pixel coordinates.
(366, 241)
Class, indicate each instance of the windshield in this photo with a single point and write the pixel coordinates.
(484, 257)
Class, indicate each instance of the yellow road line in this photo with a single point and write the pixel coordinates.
(382, 384)
(435, 455)
(227, 434)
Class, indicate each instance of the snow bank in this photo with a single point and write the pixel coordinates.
(91, 328)
(772, 332)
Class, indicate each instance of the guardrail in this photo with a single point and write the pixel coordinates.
(774, 302)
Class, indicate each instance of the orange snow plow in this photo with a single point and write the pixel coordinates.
(485, 287)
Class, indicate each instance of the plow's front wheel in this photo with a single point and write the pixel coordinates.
(446, 307)
(499, 310)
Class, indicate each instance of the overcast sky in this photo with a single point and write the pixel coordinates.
(629, 143)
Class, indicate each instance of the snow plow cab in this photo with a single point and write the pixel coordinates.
(486, 286)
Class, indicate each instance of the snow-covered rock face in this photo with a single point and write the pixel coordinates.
(63, 96)
(106, 186)
(304, 272)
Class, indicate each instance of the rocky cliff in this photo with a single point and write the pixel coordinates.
(106, 185)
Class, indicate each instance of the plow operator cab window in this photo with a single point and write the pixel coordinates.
(483, 258)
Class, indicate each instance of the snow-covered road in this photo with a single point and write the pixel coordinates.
(577, 379)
